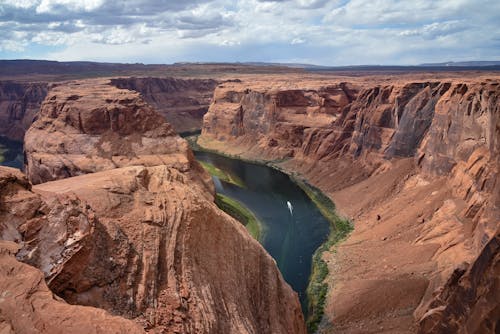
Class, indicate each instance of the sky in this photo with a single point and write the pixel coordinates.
(322, 32)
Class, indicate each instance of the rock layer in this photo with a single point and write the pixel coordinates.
(28, 306)
(19, 104)
(125, 221)
(430, 147)
(94, 126)
(182, 102)
(171, 259)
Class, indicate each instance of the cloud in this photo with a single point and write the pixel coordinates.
(331, 32)
(297, 40)
(437, 29)
(51, 6)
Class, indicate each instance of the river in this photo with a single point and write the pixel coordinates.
(11, 153)
(291, 239)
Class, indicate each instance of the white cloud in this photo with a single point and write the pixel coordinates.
(20, 3)
(48, 6)
(335, 32)
(12, 45)
(297, 40)
(230, 42)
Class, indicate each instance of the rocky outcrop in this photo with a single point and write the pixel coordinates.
(89, 126)
(129, 223)
(171, 259)
(428, 146)
(19, 104)
(182, 102)
(276, 123)
(45, 233)
(50, 230)
(468, 302)
(28, 306)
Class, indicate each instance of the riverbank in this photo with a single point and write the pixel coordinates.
(2, 151)
(222, 174)
(339, 229)
(240, 212)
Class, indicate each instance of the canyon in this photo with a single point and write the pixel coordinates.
(123, 219)
(181, 101)
(413, 164)
(19, 104)
(115, 218)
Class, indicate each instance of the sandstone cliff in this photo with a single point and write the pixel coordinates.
(127, 222)
(94, 126)
(42, 312)
(19, 104)
(413, 163)
(45, 234)
(182, 102)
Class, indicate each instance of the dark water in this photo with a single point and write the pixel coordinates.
(290, 239)
(12, 153)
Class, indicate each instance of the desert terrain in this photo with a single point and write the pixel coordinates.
(115, 219)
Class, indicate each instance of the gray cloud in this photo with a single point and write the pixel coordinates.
(321, 31)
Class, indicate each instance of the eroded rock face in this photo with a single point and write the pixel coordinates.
(277, 123)
(174, 261)
(415, 164)
(19, 104)
(327, 122)
(28, 306)
(45, 233)
(466, 303)
(50, 230)
(89, 126)
(182, 102)
(129, 224)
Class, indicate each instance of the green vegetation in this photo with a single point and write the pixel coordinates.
(339, 229)
(222, 175)
(193, 142)
(241, 213)
(3, 150)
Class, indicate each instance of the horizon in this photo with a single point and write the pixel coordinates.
(317, 32)
(463, 64)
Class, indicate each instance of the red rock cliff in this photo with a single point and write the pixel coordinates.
(182, 102)
(19, 104)
(413, 163)
(138, 234)
(94, 126)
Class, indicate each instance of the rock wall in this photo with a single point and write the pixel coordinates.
(280, 120)
(429, 148)
(41, 310)
(327, 122)
(89, 126)
(466, 304)
(170, 259)
(182, 102)
(19, 104)
(123, 219)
